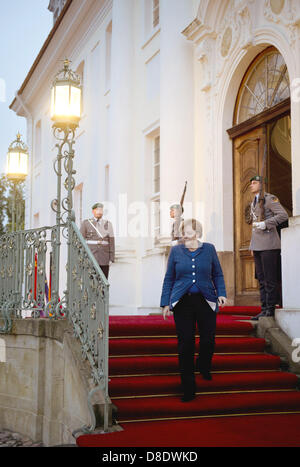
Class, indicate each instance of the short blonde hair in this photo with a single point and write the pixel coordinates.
(196, 226)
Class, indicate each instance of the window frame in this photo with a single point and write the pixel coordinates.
(155, 195)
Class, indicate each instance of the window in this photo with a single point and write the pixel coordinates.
(265, 84)
(151, 18)
(156, 165)
(155, 13)
(156, 186)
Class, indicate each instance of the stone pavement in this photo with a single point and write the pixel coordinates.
(14, 440)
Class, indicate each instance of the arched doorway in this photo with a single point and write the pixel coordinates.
(261, 125)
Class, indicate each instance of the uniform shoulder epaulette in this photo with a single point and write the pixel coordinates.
(270, 196)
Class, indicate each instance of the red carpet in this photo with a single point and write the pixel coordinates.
(240, 310)
(166, 345)
(246, 431)
(145, 388)
(221, 382)
(145, 326)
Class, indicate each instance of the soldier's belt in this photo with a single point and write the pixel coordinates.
(97, 242)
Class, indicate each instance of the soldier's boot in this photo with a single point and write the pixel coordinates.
(270, 312)
(262, 314)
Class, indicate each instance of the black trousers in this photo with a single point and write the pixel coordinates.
(105, 270)
(267, 264)
(192, 310)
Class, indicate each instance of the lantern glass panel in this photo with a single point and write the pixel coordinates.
(17, 164)
(61, 101)
(75, 103)
(65, 102)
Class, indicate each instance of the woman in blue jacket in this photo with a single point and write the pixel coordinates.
(193, 289)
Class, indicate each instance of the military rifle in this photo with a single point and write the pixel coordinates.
(183, 196)
(262, 191)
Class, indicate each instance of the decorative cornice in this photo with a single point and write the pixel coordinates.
(216, 41)
(196, 31)
(287, 16)
(283, 16)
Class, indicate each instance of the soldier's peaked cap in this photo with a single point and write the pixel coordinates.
(97, 205)
(175, 206)
(256, 178)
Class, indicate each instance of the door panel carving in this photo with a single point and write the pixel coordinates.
(248, 156)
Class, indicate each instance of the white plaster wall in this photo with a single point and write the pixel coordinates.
(290, 241)
(153, 271)
(289, 322)
(176, 103)
(183, 90)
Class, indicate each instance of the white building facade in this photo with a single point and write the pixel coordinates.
(174, 91)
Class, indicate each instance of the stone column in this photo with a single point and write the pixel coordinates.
(289, 317)
(121, 115)
(177, 104)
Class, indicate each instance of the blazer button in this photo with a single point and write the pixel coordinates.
(194, 281)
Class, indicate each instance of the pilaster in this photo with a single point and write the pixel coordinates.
(177, 104)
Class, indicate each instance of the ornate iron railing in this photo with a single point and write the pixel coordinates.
(10, 280)
(27, 290)
(25, 287)
(89, 311)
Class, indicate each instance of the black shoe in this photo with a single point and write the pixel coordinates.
(188, 397)
(270, 313)
(206, 375)
(260, 315)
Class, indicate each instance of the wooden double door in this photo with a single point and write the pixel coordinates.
(248, 155)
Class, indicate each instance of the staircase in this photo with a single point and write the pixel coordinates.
(145, 382)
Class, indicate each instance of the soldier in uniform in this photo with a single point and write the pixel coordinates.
(266, 246)
(176, 214)
(99, 236)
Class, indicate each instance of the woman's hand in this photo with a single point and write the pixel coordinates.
(222, 301)
(166, 311)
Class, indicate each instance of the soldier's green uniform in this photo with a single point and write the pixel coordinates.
(275, 214)
(265, 244)
(175, 232)
(99, 236)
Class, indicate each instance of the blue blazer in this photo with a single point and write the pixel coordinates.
(186, 269)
